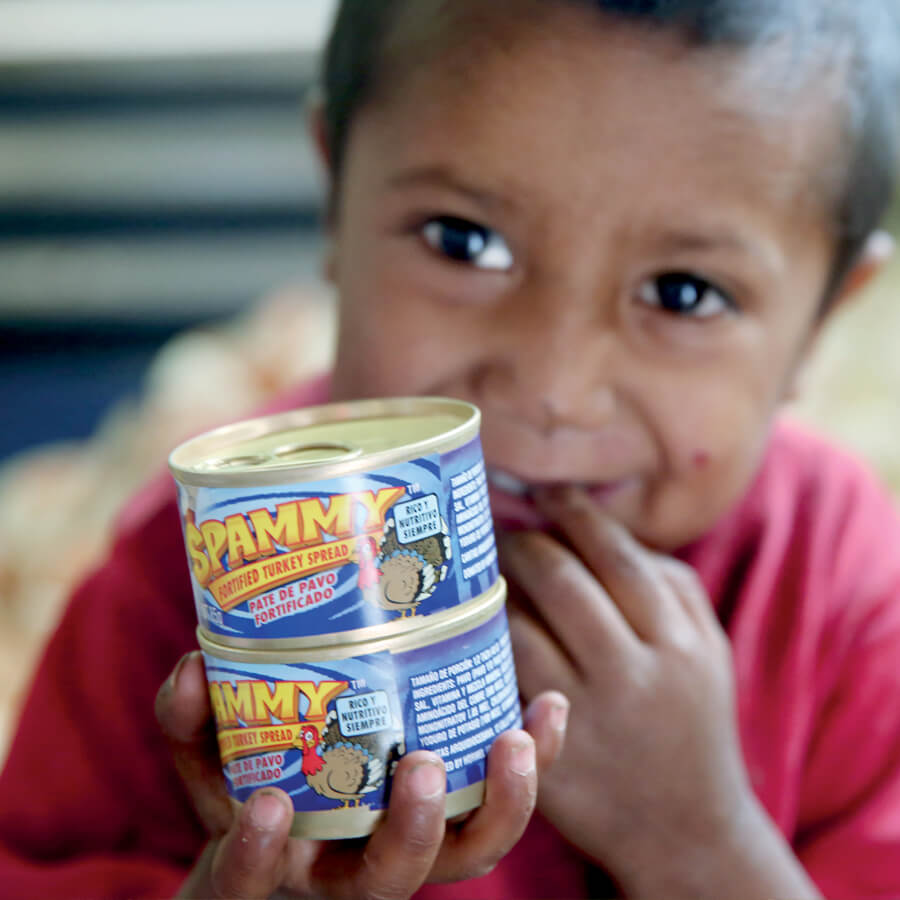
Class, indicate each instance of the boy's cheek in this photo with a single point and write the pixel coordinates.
(687, 507)
(391, 342)
(710, 450)
(379, 358)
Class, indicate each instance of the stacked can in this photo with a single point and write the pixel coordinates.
(349, 603)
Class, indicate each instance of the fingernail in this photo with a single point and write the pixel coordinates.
(173, 678)
(559, 717)
(267, 811)
(523, 762)
(428, 780)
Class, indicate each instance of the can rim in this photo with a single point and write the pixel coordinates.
(205, 445)
(364, 634)
(469, 616)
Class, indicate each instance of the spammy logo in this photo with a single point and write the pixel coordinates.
(244, 554)
(255, 717)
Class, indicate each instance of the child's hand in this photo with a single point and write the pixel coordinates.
(651, 782)
(252, 855)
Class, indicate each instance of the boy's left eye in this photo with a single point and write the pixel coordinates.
(684, 294)
(467, 242)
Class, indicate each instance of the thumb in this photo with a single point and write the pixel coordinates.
(186, 720)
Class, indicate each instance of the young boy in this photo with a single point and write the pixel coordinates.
(616, 227)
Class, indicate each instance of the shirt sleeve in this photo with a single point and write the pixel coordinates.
(91, 804)
(848, 834)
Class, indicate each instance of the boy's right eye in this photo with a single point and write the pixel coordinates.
(466, 242)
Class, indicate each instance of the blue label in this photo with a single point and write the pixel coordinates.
(302, 560)
(330, 734)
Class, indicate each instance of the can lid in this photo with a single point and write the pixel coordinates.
(433, 628)
(321, 442)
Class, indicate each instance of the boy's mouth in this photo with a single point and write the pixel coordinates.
(513, 499)
(512, 503)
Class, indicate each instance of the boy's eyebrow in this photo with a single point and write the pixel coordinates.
(446, 177)
(707, 239)
(721, 239)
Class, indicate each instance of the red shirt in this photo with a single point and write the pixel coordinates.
(804, 574)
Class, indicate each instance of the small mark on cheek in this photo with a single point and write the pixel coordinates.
(700, 459)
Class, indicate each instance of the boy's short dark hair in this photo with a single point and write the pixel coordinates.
(863, 34)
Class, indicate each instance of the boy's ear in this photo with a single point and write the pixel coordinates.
(876, 253)
(315, 121)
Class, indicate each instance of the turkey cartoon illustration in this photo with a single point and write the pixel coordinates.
(346, 768)
(407, 573)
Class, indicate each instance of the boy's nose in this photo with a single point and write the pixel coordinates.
(552, 374)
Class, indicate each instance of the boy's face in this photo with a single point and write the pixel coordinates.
(609, 243)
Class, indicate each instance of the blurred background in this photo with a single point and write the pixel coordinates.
(154, 174)
(159, 260)
(160, 236)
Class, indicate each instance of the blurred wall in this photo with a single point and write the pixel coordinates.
(850, 388)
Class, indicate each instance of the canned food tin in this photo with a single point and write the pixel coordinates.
(337, 522)
(328, 724)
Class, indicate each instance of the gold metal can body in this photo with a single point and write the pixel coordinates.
(327, 724)
(336, 523)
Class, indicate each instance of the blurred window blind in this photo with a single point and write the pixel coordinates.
(155, 173)
(153, 154)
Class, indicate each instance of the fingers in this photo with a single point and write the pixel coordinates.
(402, 850)
(627, 570)
(489, 833)
(184, 715)
(685, 582)
(474, 848)
(251, 859)
(571, 602)
(182, 705)
(546, 719)
(540, 661)
(255, 855)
